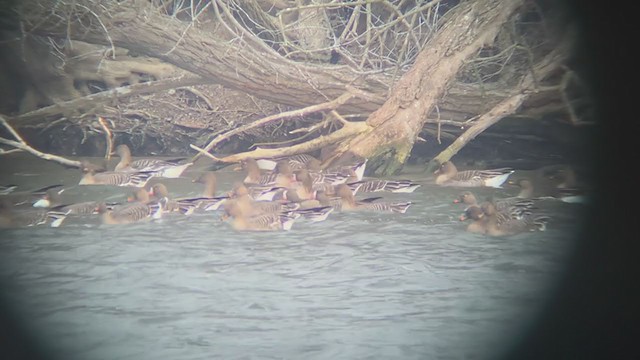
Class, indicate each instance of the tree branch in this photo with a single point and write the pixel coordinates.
(105, 96)
(329, 105)
(349, 129)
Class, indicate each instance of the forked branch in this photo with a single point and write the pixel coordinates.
(22, 145)
(330, 105)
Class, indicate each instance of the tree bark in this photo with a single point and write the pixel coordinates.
(82, 104)
(399, 121)
(244, 64)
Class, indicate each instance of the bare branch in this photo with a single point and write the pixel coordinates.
(40, 154)
(349, 130)
(330, 105)
(108, 136)
(94, 100)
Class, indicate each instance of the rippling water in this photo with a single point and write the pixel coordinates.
(358, 285)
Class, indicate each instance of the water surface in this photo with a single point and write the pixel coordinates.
(359, 285)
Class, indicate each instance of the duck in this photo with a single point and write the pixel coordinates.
(448, 175)
(488, 220)
(140, 209)
(160, 168)
(14, 218)
(242, 221)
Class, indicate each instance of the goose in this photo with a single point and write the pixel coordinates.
(160, 168)
(140, 209)
(489, 221)
(448, 175)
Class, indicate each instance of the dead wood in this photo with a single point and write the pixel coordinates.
(82, 104)
(22, 145)
(528, 86)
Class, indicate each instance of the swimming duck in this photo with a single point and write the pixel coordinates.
(448, 175)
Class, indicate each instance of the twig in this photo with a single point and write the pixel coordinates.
(199, 94)
(310, 129)
(11, 130)
(7, 152)
(179, 39)
(339, 117)
(50, 157)
(108, 135)
(105, 96)
(347, 131)
(287, 114)
(497, 113)
(439, 124)
(106, 32)
(203, 152)
(275, 143)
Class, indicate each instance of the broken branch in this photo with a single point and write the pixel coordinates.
(330, 105)
(93, 100)
(348, 130)
(49, 157)
(108, 135)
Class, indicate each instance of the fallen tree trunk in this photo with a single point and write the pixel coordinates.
(235, 58)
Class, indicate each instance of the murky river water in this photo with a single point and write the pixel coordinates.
(359, 285)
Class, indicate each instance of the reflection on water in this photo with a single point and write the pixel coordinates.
(358, 285)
